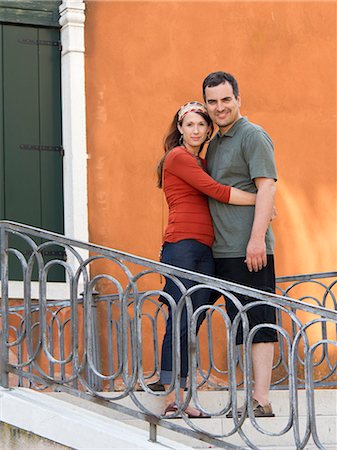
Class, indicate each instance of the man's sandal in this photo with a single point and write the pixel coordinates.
(258, 410)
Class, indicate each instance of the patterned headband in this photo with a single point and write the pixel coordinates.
(191, 107)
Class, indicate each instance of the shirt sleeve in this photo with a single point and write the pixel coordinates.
(259, 154)
(186, 167)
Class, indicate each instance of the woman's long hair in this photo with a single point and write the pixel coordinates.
(172, 140)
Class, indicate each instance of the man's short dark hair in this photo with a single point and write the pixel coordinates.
(216, 78)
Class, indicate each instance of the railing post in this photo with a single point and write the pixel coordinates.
(94, 381)
(4, 356)
(153, 432)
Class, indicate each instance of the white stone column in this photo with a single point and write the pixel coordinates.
(72, 20)
(74, 119)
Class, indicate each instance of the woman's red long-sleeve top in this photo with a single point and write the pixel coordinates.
(186, 187)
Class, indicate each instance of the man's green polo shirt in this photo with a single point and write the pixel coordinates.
(236, 158)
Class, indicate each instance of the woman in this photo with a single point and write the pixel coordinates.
(189, 234)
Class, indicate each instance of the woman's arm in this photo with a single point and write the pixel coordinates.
(186, 167)
(243, 198)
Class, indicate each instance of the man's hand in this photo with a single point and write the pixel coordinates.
(273, 213)
(256, 255)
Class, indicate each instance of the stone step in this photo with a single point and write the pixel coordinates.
(325, 407)
(214, 401)
(75, 427)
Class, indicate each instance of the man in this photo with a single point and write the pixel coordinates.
(241, 155)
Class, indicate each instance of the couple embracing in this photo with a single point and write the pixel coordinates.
(219, 220)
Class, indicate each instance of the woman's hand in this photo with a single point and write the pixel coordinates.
(273, 213)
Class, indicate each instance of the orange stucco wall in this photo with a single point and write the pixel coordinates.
(145, 59)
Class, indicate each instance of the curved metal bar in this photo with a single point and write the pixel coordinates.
(89, 321)
(310, 389)
(193, 361)
(43, 307)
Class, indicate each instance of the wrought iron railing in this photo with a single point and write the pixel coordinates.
(102, 342)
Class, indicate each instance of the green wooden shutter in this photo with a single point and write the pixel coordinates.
(21, 125)
(2, 173)
(32, 152)
(32, 12)
(50, 132)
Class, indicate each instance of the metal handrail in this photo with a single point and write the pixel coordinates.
(57, 344)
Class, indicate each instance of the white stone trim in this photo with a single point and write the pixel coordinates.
(55, 290)
(74, 120)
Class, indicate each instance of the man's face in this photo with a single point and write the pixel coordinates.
(222, 106)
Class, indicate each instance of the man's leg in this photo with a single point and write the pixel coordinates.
(262, 356)
(234, 269)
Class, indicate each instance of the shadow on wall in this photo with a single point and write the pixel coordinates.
(305, 231)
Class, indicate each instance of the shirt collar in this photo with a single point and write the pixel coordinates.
(233, 129)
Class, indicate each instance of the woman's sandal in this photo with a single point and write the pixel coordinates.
(173, 408)
(199, 415)
(169, 410)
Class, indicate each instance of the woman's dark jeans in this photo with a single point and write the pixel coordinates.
(192, 255)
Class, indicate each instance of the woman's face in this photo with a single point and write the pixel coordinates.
(194, 129)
